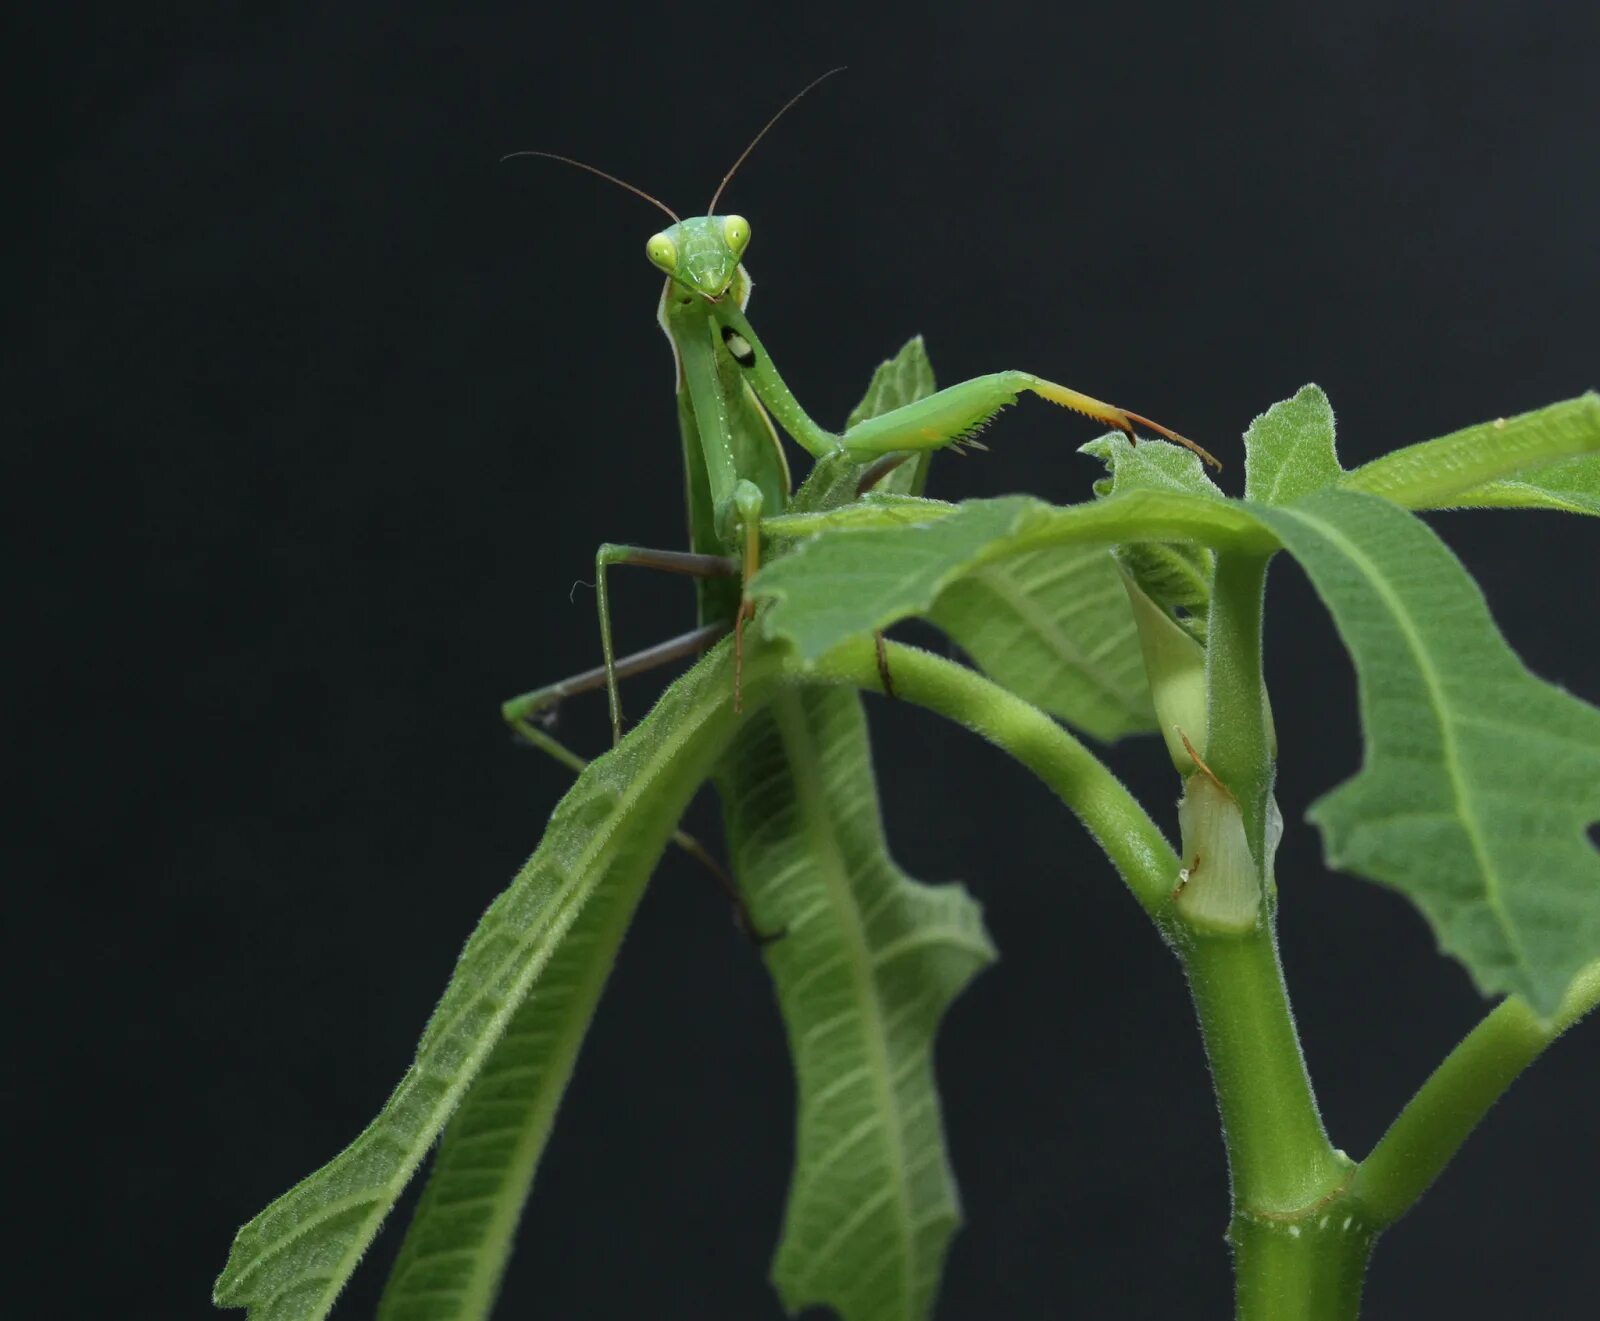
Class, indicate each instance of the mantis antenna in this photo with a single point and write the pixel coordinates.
(711, 210)
(621, 183)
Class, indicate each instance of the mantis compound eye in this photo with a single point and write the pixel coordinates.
(736, 233)
(662, 252)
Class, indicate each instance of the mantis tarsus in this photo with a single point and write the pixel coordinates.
(729, 392)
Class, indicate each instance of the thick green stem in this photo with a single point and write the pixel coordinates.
(1300, 1247)
(1279, 1157)
(1426, 1135)
(1307, 1269)
(1122, 828)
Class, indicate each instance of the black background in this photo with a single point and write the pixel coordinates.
(323, 411)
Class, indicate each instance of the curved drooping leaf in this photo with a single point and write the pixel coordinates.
(460, 1237)
(604, 837)
(1289, 450)
(849, 582)
(868, 961)
(1468, 467)
(1478, 779)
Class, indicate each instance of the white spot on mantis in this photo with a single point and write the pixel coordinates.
(1294, 1231)
(1348, 1221)
(739, 346)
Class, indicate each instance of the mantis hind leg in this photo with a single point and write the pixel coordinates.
(524, 713)
(668, 561)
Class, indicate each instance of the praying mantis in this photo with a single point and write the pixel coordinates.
(729, 393)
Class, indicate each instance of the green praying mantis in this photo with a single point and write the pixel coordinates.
(729, 393)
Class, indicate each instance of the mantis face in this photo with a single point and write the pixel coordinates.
(701, 253)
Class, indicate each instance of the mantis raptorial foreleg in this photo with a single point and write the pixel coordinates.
(943, 418)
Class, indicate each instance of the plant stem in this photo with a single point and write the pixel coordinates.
(1426, 1135)
(1306, 1270)
(1300, 1246)
(1279, 1157)
(1122, 828)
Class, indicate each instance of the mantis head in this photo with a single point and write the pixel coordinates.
(701, 253)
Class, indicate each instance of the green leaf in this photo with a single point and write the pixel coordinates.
(1466, 467)
(1289, 450)
(462, 1232)
(1054, 627)
(846, 583)
(290, 1262)
(868, 962)
(1572, 487)
(1151, 465)
(1478, 779)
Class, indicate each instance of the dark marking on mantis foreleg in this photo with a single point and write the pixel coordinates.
(739, 347)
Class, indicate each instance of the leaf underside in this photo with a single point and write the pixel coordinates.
(1054, 627)
(848, 582)
(868, 961)
(290, 1262)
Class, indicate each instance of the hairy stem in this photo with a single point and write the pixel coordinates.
(1279, 1157)
(1122, 828)
(1428, 1132)
(1300, 1270)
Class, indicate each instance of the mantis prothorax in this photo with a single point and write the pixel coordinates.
(729, 391)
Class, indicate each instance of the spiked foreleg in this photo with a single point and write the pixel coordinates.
(959, 412)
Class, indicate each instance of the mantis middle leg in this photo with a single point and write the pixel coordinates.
(668, 561)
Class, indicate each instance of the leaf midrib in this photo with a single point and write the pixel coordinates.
(1435, 689)
(802, 754)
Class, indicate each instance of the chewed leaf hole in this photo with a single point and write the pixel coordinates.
(1594, 834)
